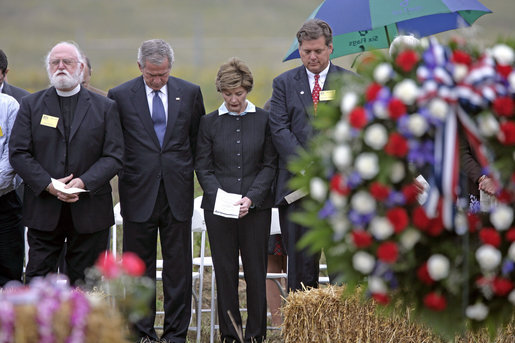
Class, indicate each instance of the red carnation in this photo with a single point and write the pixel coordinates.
(510, 235)
(396, 108)
(507, 134)
(461, 57)
(388, 252)
(397, 145)
(361, 239)
(504, 197)
(108, 266)
(490, 236)
(504, 106)
(338, 184)
(435, 227)
(504, 70)
(379, 191)
(502, 286)
(406, 60)
(372, 91)
(381, 298)
(423, 275)
(410, 192)
(358, 118)
(435, 301)
(399, 218)
(420, 219)
(474, 222)
(132, 264)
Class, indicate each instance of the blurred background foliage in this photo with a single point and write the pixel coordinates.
(203, 33)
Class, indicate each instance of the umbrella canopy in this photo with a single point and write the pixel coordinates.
(372, 24)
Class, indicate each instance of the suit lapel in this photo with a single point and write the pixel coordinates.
(83, 105)
(174, 103)
(302, 87)
(140, 102)
(52, 104)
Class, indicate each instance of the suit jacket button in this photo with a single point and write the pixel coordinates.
(238, 142)
(239, 179)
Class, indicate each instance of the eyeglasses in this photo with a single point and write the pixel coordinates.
(67, 62)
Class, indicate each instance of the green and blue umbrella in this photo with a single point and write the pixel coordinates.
(361, 25)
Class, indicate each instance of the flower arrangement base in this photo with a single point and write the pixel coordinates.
(330, 315)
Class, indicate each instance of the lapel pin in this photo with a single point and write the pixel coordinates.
(178, 99)
(301, 92)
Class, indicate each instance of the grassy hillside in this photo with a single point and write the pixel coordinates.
(204, 33)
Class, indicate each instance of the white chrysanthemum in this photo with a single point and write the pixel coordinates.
(398, 172)
(511, 80)
(363, 262)
(417, 124)
(409, 238)
(501, 217)
(349, 101)
(340, 227)
(488, 257)
(503, 54)
(438, 267)
(460, 72)
(381, 228)
(477, 311)
(511, 252)
(406, 91)
(438, 108)
(488, 125)
(318, 189)
(367, 165)
(342, 132)
(376, 285)
(338, 200)
(380, 110)
(342, 156)
(511, 297)
(363, 203)
(383, 73)
(376, 136)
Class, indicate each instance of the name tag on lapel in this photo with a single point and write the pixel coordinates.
(327, 95)
(49, 121)
(1, 132)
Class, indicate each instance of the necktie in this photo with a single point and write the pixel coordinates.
(316, 92)
(158, 117)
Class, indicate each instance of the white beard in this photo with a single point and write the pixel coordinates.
(67, 81)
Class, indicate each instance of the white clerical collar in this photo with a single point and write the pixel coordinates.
(223, 109)
(68, 93)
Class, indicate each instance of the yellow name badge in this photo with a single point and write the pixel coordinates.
(327, 95)
(1, 132)
(49, 121)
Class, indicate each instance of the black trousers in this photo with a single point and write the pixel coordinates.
(12, 245)
(175, 237)
(228, 238)
(303, 266)
(83, 249)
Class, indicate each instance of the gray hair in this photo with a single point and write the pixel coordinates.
(74, 45)
(155, 51)
(314, 29)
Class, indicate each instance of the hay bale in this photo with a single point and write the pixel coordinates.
(323, 315)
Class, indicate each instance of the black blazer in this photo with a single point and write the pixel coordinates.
(145, 163)
(15, 92)
(236, 154)
(37, 153)
(290, 120)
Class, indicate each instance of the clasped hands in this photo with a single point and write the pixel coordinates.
(487, 185)
(70, 182)
(245, 204)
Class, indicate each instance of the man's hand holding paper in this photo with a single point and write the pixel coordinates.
(66, 189)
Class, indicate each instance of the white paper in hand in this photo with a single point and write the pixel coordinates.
(58, 185)
(224, 204)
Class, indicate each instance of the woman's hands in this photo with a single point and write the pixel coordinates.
(245, 204)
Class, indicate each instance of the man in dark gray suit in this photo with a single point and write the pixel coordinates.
(295, 96)
(160, 116)
(6, 88)
(68, 133)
